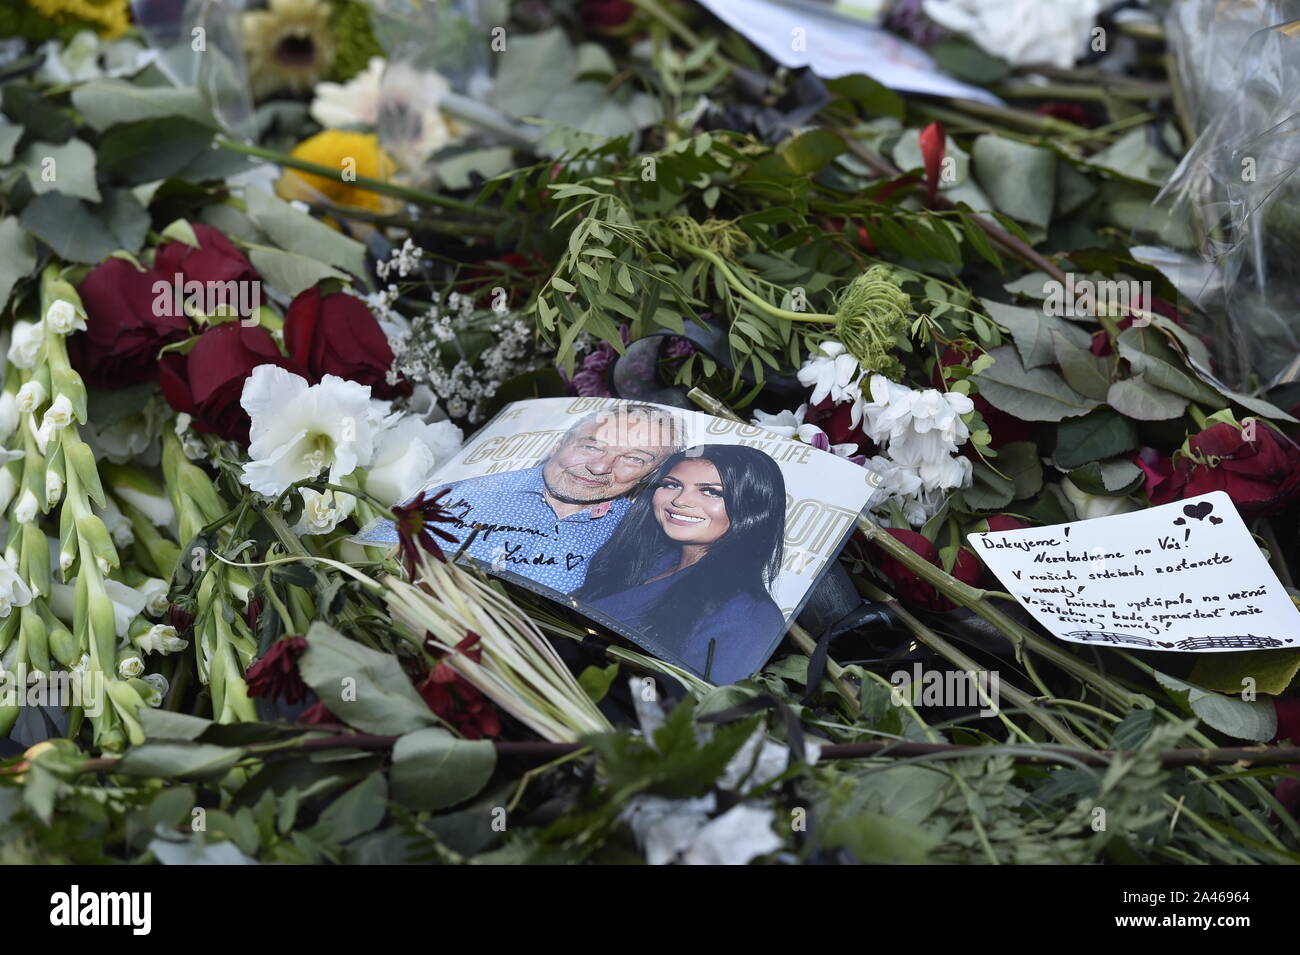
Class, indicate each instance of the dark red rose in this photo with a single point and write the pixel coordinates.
(1288, 719)
(1260, 475)
(336, 335)
(910, 588)
(215, 260)
(207, 383)
(1005, 522)
(458, 702)
(127, 321)
(1070, 112)
(606, 14)
(275, 675)
(837, 421)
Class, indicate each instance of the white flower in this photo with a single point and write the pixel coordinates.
(298, 430)
(58, 415)
(8, 415)
(1021, 31)
(921, 431)
(160, 639)
(790, 424)
(53, 486)
(25, 344)
(354, 103)
(130, 666)
(80, 59)
(832, 372)
(1088, 506)
(737, 837)
(63, 318)
(191, 444)
(8, 485)
(25, 510)
(127, 438)
(116, 522)
(321, 513)
(154, 591)
(406, 455)
(14, 591)
(31, 396)
(128, 603)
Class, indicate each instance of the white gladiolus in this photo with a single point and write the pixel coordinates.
(63, 318)
(53, 487)
(406, 455)
(31, 396)
(14, 591)
(128, 603)
(8, 415)
(160, 638)
(154, 590)
(831, 372)
(25, 510)
(25, 344)
(8, 485)
(116, 522)
(321, 513)
(129, 667)
(299, 430)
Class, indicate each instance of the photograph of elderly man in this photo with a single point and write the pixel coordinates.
(545, 522)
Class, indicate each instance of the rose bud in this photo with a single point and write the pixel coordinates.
(336, 335)
(215, 260)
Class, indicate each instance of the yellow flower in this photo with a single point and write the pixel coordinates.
(357, 153)
(290, 46)
(112, 17)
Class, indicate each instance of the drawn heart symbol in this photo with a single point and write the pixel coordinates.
(1198, 511)
(1163, 644)
(1216, 520)
(1180, 521)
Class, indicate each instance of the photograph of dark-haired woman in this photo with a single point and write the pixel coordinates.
(692, 562)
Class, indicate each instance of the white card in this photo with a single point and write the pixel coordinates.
(1186, 576)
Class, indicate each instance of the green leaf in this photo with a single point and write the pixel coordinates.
(178, 760)
(71, 166)
(17, 256)
(1254, 720)
(596, 681)
(1020, 462)
(531, 70)
(1270, 671)
(154, 149)
(1133, 730)
(357, 811)
(875, 839)
(1151, 355)
(69, 228)
(874, 97)
(295, 231)
(104, 103)
(368, 689)
(1034, 331)
(1138, 399)
(1101, 433)
(1020, 179)
(810, 152)
(989, 490)
(125, 218)
(10, 133)
(1113, 478)
(433, 769)
(290, 272)
(1086, 373)
(1037, 395)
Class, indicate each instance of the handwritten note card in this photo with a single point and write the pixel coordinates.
(1183, 576)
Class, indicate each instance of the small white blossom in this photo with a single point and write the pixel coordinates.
(831, 372)
(791, 424)
(25, 510)
(160, 639)
(31, 396)
(63, 318)
(25, 344)
(160, 688)
(154, 591)
(53, 487)
(58, 415)
(14, 591)
(1021, 31)
(321, 512)
(131, 666)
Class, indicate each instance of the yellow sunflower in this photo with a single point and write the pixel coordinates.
(358, 153)
(290, 46)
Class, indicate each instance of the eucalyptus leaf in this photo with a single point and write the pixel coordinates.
(1151, 355)
(1083, 371)
(295, 231)
(289, 272)
(68, 168)
(109, 102)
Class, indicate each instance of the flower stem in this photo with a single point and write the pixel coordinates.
(721, 265)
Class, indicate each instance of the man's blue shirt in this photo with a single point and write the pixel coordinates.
(518, 530)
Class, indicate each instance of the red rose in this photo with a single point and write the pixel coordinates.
(123, 328)
(275, 674)
(336, 335)
(909, 587)
(208, 382)
(606, 14)
(1005, 522)
(1260, 475)
(215, 260)
(1288, 719)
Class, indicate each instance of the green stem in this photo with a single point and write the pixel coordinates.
(417, 196)
(721, 265)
